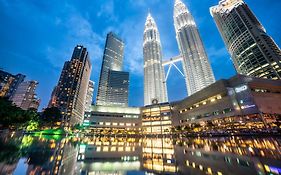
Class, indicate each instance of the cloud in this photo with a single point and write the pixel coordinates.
(131, 31)
(217, 53)
(107, 10)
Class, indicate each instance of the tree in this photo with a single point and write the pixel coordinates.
(51, 116)
(13, 116)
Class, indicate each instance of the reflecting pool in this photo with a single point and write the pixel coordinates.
(141, 156)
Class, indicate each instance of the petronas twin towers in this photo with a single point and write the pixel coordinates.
(196, 66)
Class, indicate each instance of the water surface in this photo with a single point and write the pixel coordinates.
(20, 155)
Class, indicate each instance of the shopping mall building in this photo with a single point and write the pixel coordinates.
(238, 104)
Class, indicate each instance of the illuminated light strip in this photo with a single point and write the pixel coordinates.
(178, 69)
(168, 72)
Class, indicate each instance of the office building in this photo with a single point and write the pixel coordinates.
(89, 96)
(253, 51)
(118, 88)
(196, 66)
(155, 90)
(73, 85)
(112, 62)
(25, 96)
(9, 83)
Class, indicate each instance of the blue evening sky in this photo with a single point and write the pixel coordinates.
(38, 36)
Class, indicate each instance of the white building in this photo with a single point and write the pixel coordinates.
(155, 90)
(196, 66)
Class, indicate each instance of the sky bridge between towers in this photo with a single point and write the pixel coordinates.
(171, 62)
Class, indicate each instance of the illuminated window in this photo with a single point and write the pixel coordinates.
(107, 123)
(105, 149)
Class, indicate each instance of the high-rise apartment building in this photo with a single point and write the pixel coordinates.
(72, 87)
(253, 51)
(196, 66)
(25, 96)
(155, 90)
(112, 64)
(9, 83)
(53, 99)
(89, 96)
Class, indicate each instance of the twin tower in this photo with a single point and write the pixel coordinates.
(197, 70)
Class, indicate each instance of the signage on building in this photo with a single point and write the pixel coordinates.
(241, 88)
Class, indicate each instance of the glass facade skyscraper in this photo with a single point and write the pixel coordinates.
(113, 90)
(196, 66)
(253, 51)
(155, 90)
(72, 87)
(118, 85)
(89, 96)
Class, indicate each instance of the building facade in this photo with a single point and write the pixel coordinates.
(253, 51)
(240, 104)
(113, 120)
(9, 83)
(112, 60)
(53, 99)
(89, 97)
(156, 119)
(72, 87)
(196, 66)
(25, 96)
(154, 81)
(118, 88)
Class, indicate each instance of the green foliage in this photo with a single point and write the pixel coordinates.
(51, 116)
(32, 125)
(10, 115)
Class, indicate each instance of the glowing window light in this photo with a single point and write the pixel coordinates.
(209, 170)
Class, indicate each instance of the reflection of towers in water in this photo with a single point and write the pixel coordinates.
(158, 155)
(155, 89)
(196, 66)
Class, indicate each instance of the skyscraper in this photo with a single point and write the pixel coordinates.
(196, 65)
(118, 85)
(72, 86)
(112, 62)
(89, 96)
(253, 51)
(53, 99)
(25, 96)
(9, 83)
(155, 90)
